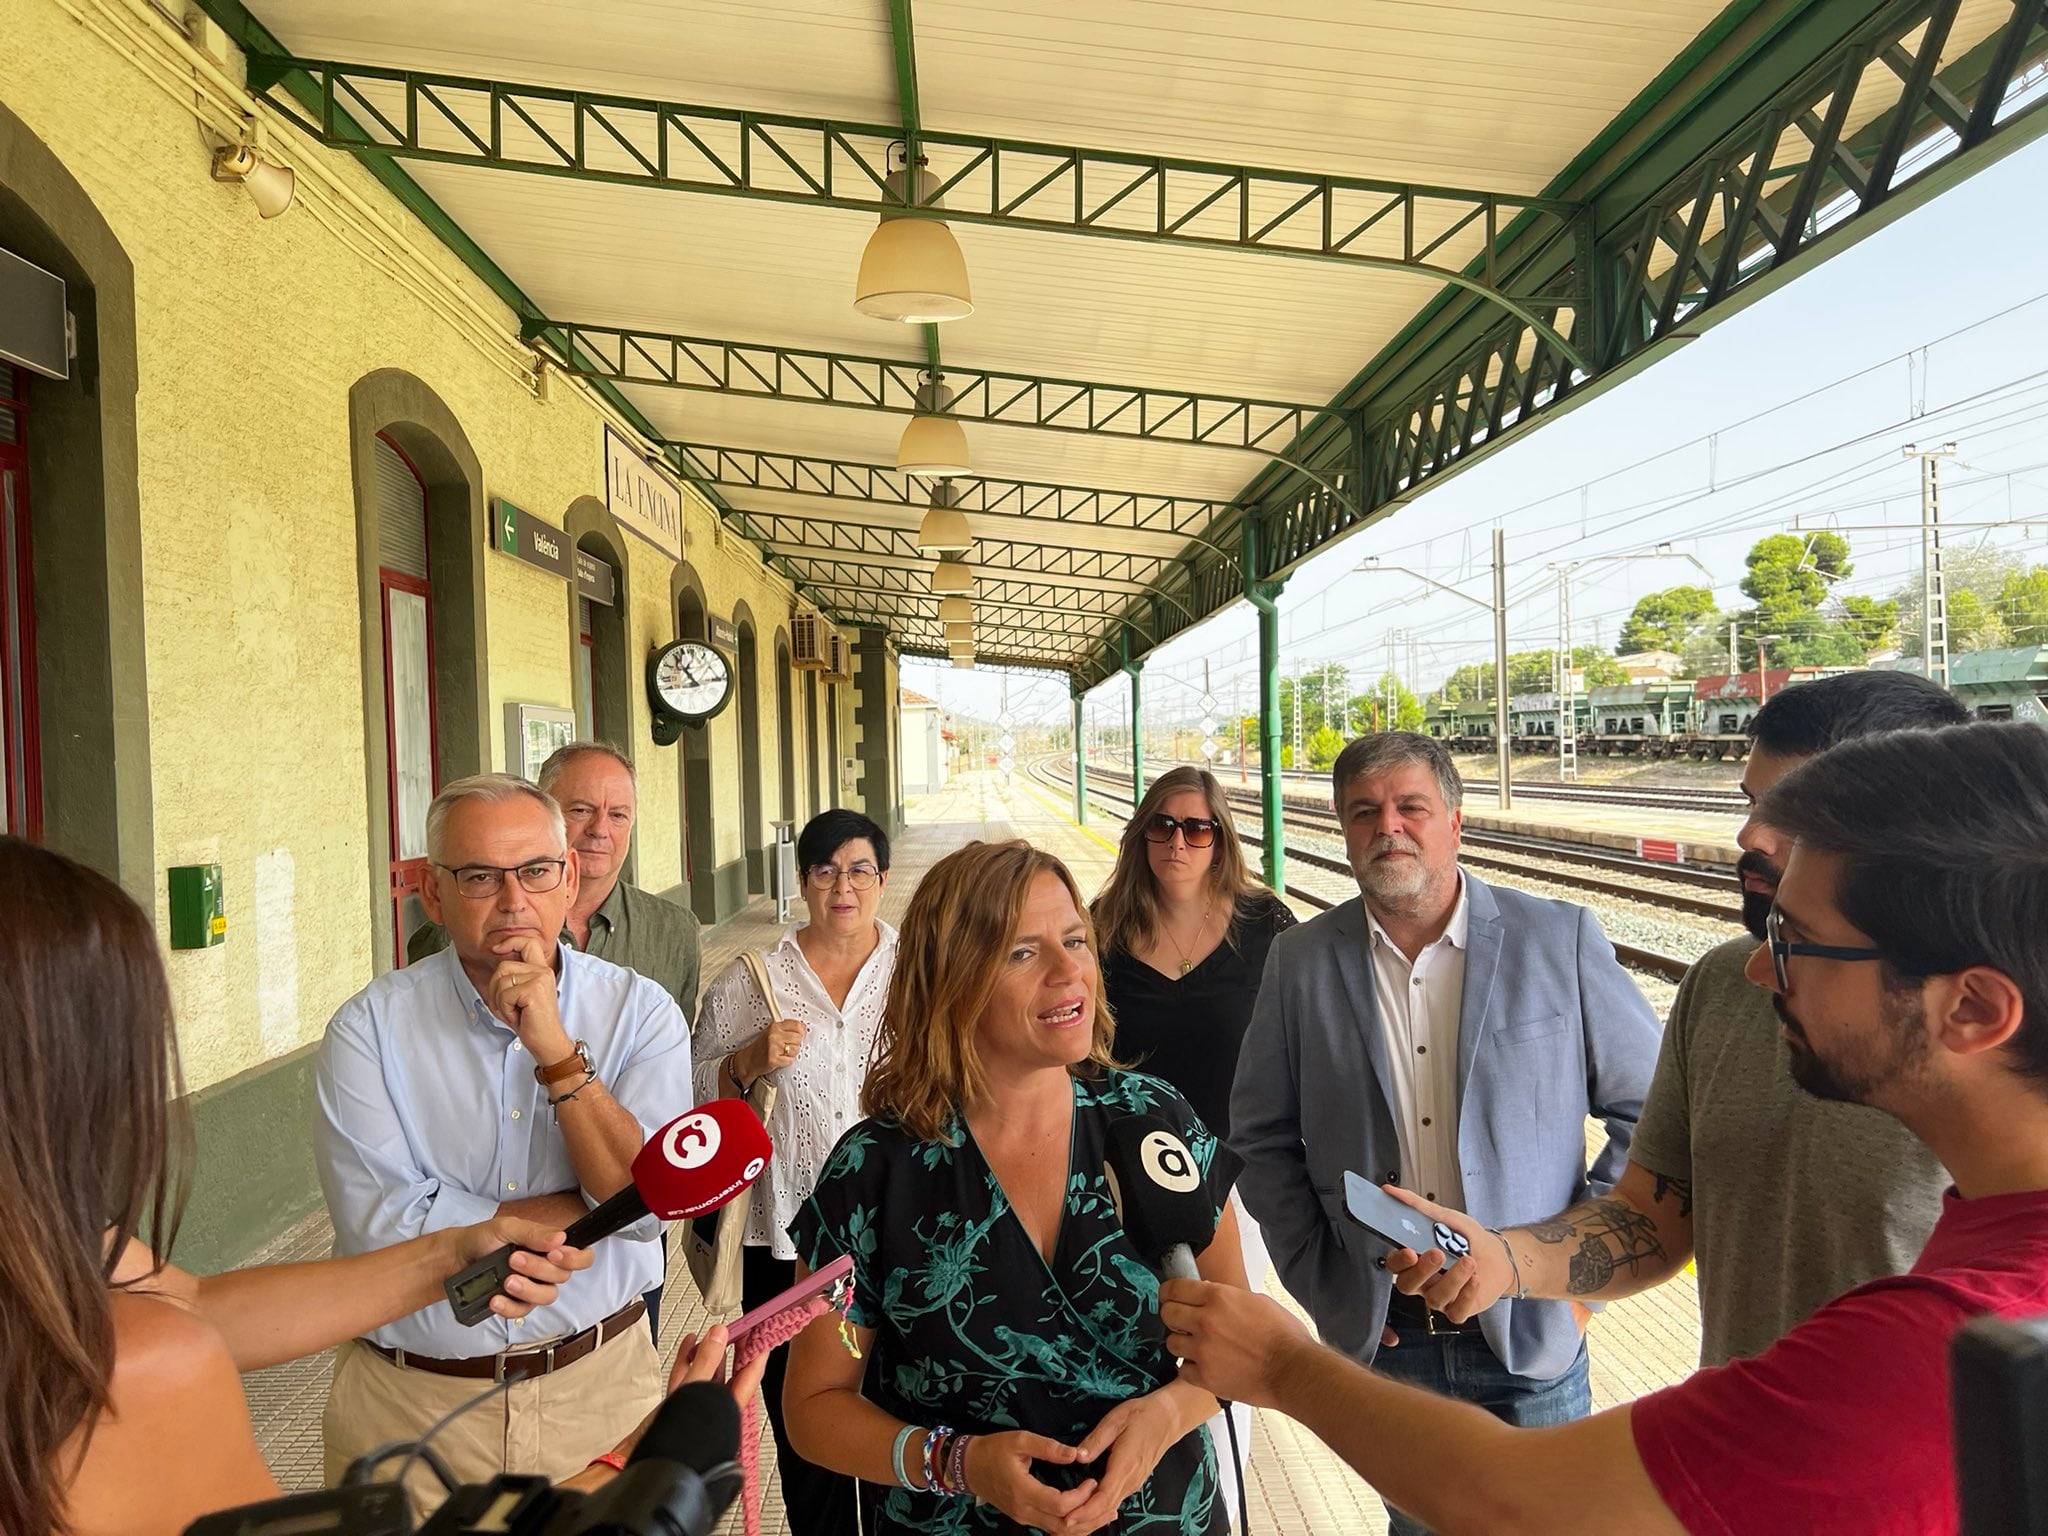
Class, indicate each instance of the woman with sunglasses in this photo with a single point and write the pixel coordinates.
(1185, 930)
(829, 976)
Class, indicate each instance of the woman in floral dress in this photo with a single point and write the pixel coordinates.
(1013, 1371)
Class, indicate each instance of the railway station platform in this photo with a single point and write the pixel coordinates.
(1705, 837)
(1297, 1487)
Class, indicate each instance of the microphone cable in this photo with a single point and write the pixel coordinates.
(363, 1467)
(1244, 1517)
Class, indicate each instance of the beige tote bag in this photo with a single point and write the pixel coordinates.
(715, 1262)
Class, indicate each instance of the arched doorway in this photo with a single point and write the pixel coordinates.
(785, 726)
(694, 776)
(420, 523)
(74, 750)
(753, 829)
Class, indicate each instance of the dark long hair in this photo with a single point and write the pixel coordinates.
(86, 1122)
(1126, 910)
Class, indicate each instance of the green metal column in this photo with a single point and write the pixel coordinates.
(1261, 595)
(1137, 730)
(1080, 764)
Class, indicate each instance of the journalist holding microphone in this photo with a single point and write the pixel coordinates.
(123, 1410)
(1018, 1370)
(510, 1075)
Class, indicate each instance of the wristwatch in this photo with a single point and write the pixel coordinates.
(577, 1061)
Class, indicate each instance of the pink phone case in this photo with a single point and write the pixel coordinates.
(804, 1290)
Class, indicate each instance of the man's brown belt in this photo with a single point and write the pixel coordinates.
(526, 1364)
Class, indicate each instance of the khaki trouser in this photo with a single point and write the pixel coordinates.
(551, 1425)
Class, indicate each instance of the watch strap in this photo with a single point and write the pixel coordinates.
(577, 1061)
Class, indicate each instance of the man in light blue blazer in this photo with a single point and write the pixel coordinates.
(1449, 1037)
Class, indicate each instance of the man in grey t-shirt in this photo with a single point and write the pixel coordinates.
(1786, 1201)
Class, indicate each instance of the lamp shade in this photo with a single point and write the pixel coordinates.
(934, 446)
(960, 647)
(912, 271)
(952, 576)
(958, 631)
(964, 661)
(944, 530)
(956, 610)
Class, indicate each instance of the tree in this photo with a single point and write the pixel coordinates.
(1974, 624)
(1976, 581)
(1664, 621)
(2023, 604)
(1789, 575)
(1873, 621)
(1596, 668)
(1323, 747)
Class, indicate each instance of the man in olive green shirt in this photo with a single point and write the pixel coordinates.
(595, 786)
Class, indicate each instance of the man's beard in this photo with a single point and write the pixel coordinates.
(1756, 905)
(1395, 884)
(1857, 1074)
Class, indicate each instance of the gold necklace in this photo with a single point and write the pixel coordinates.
(1186, 964)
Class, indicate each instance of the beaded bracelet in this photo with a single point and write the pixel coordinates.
(896, 1456)
(934, 1443)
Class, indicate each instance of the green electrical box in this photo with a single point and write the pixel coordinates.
(199, 917)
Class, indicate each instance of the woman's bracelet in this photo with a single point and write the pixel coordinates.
(956, 1468)
(732, 1070)
(896, 1456)
(935, 1455)
(1521, 1290)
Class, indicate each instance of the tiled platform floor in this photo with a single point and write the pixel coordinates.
(1297, 1487)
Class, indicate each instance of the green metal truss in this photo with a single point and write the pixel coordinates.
(992, 396)
(844, 480)
(1737, 176)
(380, 111)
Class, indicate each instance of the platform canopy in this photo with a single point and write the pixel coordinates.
(1244, 276)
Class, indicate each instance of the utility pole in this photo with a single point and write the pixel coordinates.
(1933, 582)
(1297, 712)
(1567, 721)
(1734, 661)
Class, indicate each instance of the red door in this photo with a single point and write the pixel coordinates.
(21, 791)
(405, 602)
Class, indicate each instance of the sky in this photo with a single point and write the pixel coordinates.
(1934, 329)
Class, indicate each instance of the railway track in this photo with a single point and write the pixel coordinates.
(1716, 801)
(1649, 961)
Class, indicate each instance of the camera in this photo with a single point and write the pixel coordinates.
(1998, 1403)
(678, 1482)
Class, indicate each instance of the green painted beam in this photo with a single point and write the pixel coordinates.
(1361, 222)
(862, 382)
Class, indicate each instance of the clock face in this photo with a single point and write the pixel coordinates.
(690, 679)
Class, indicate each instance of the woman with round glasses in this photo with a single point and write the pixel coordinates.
(829, 975)
(1185, 930)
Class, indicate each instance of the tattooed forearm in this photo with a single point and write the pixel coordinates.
(1679, 1190)
(1608, 1237)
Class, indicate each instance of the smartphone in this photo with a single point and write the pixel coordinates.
(838, 1272)
(1398, 1225)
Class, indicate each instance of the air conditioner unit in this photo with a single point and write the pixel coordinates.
(838, 660)
(807, 641)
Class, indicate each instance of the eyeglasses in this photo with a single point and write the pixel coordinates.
(1197, 831)
(1782, 949)
(861, 877)
(479, 881)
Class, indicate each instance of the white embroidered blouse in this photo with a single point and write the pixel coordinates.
(819, 1092)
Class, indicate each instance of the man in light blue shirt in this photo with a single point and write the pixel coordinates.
(506, 1074)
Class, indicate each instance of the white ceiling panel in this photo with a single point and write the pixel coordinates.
(1473, 93)
(1051, 532)
(829, 58)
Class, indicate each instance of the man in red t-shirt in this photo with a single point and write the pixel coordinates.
(1909, 971)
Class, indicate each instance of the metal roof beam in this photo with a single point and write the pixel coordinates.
(884, 552)
(993, 397)
(842, 480)
(379, 112)
(1721, 125)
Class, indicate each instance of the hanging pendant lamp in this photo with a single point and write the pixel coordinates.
(952, 576)
(966, 661)
(957, 632)
(933, 446)
(956, 610)
(912, 269)
(944, 530)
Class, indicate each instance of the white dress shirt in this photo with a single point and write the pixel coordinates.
(1418, 1008)
(427, 1115)
(818, 1098)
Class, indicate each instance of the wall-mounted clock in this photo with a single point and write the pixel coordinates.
(688, 682)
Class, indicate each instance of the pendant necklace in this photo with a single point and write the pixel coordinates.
(1186, 964)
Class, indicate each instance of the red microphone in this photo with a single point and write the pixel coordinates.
(690, 1167)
